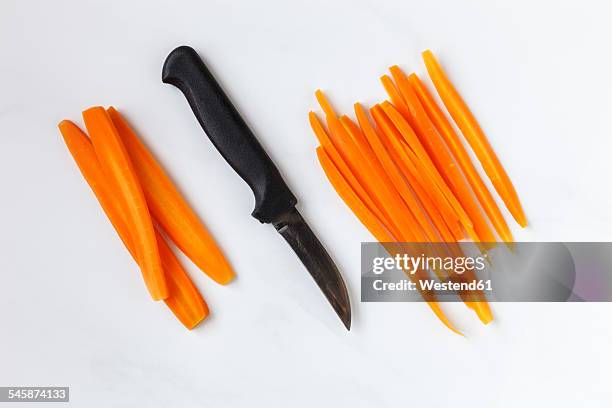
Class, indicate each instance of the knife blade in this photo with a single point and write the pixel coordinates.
(274, 201)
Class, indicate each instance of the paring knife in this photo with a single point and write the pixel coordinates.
(274, 202)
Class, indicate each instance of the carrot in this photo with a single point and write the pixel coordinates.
(393, 124)
(392, 178)
(119, 170)
(324, 103)
(475, 136)
(390, 139)
(454, 144)
(439, 154)
(184, 300)
(368, 219)
(371, 176)
(339, 162)
(169, 208)
(377, 185)
(396, 176)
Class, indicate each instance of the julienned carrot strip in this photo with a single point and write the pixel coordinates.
(184, 300)
(395, 174)
(395, 149)
(454, 144)
(324, 103)
(169, 208)
(415, 145)
(394, 168)
(348, 168)
(119, 170)
(375, 184)
(355, 152)
(346, 192)
(439, 154)
(325, 141)
(369, 220)
(393, 179)
(425, 174)
(425, 167)
(475, 136)
(394, 94)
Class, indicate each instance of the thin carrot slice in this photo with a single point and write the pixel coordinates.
(394, 94)
(325, 105)
(374, 139)
(413, 142)
(118, 168)
(454, 144)
(395, 149)
(369, 220)
(396, 176)
(375, 183)
(352, 200)
(364, 170)
(439, 154)
(325, 141)
(397, 183)
(184, 300)
(475, 136)
(169, 208)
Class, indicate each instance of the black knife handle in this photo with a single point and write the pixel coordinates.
(229, 133)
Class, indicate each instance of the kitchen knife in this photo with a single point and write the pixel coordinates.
(274, 202)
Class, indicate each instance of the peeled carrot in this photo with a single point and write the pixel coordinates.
(439, 154)
(395, 174)
(339, 162)
(368, 219)
(119, 170)
(463, 159)
(422, 156)
(184, 300)
(399, 185)
(169, 208)
(375, 184)
(475, 136)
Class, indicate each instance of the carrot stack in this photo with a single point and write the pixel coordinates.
(133, 190)
(406, 175)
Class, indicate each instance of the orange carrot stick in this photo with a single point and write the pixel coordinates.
(374, 183)
(475, 136)
(454, 144)
(390, 138)
(413, 142)
(439, 154)
(396, 182)
(119, 170)
(395, 174)
(370, 175)
(339, 162)
(324, 103)
(368, 219)
(184, 300)
(169, 208)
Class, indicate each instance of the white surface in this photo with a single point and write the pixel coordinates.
(73, 309)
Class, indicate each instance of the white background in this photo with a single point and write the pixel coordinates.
(73, 308)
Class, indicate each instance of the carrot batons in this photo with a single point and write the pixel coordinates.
(438, 152)
(184, 300)
(463, 159)
(368, 219)
(116, 165)
(470, 128)
(169, 208)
